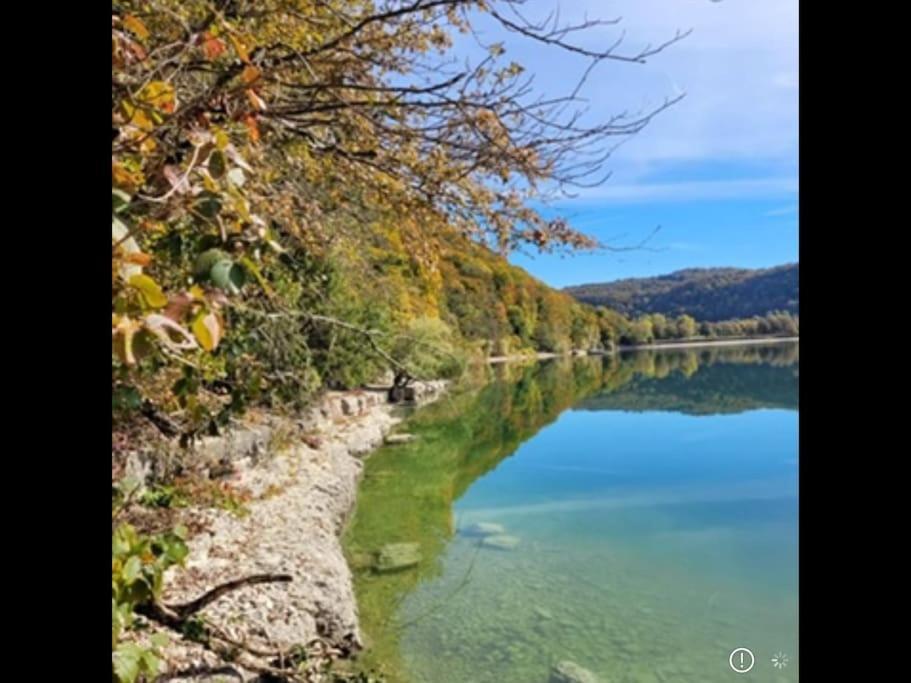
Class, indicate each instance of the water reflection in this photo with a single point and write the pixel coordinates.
(612, 503)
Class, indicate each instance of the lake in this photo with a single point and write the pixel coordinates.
(633, 514)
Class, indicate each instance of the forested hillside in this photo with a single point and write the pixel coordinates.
(707, 294)
(302, 200)
(314, 194)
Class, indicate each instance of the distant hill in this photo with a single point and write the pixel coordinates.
(709, 294)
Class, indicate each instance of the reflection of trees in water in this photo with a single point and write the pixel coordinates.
(408, 492)
(700, 381)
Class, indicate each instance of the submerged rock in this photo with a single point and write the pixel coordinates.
(397, 556)
(570, 672)
(500, 542)
(484, 529)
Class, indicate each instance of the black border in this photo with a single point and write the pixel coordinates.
(64, 458)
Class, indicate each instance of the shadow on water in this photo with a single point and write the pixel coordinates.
(409, 490)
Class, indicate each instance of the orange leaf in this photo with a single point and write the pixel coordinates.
(252, 128)
(124, 178)
(212, 47)
(250, 74)
(136, 49)
(255, 100)
(136, 27)
(139, 258)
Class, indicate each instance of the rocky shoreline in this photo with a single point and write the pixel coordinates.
(302, 494)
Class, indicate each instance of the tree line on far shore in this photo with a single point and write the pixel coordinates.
(647, 329)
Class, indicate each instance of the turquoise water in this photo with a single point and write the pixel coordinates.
(655, 529)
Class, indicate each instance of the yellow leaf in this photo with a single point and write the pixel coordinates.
(126, 179)
(208, 330)
(137, 117)
(158, 94)
(150, 291)
(209, 184)
(221, 139)
(124, 329)
(240, 49)
(248, 263)
(136, 27)
(147, 146)
(197, 293)
(156, 227)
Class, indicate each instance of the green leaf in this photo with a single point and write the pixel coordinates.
(119, 200)
(126, 662)
(228, 276)
(119, 546)
(150, 291)
(116, 623)
(125, 399)
(150, 663)
(177, 551)
(131, 569)
(127, 486)
(205, 261)
(218, 164)
(208, 204)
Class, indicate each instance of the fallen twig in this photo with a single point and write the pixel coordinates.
(174, 616)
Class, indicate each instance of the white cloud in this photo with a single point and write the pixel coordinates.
(739, 69)
(758, 188)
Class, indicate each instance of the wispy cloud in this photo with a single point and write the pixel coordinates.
(739, 69)
(699, 190)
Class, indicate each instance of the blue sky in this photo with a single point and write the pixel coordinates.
(717, 171)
